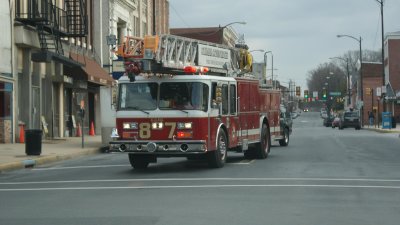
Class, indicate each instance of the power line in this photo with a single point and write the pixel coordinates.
(180, 17)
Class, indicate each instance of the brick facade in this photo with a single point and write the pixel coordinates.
(392, 68)
(372, 78)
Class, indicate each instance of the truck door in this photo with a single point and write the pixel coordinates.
(233, 121)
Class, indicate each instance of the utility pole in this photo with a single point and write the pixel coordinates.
(383, 51)
(154, 17)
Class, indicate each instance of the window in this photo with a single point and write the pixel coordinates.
(232, 91)
(138, 96)
(184, 96)
(225, 99)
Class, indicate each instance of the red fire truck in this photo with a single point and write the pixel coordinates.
(189, 98)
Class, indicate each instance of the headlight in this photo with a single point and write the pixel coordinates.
(187, 125)
(130, 125)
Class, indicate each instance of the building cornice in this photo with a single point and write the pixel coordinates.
(129, 4)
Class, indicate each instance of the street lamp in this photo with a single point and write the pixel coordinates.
(257, 50)
(272, 67)
(328, 105)
(227, 25)
(239, 22)
(348, 75)
(361, 73)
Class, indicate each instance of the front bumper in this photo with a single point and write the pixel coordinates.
(159, 147)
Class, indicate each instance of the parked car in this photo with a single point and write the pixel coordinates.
(336, 122)
(350, 119)
(324, 115)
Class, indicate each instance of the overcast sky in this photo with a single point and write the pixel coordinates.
(300, 33)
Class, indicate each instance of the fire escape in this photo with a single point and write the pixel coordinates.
(53, 24)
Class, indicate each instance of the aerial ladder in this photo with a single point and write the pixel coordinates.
(172, 54)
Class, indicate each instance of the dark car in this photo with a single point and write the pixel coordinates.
(350, 119)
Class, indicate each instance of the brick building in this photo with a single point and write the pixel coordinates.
(372, 79)
(392, 73)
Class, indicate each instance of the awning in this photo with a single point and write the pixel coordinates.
(96, 74)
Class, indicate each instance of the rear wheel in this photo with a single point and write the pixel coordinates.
(217, 158)
(263, 147)
(285, 140)
(138, 162)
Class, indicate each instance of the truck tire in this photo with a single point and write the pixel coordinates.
(217, 158)
(263, 147)
(138, 162)
(285, 140)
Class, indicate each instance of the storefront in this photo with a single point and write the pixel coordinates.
(6, 115)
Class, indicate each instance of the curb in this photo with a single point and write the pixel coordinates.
(382, 131)
(30, 163)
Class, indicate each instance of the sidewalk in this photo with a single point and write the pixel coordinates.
(380, 130)
(12, 156)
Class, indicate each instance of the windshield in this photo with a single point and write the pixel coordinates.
(174, 95)
(351, 114)
(138, 96)
(184, 96)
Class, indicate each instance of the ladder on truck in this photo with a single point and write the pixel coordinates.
(158, 54)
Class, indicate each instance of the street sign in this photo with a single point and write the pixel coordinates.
(118, 69)
(315, 94)
(111, 39)
(379, 91)
(335, 93)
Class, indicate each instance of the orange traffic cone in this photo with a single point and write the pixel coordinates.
(78, 130)
(21, 134)
(91, 132)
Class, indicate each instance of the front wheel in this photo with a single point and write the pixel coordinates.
(285, 140)
(217, 158)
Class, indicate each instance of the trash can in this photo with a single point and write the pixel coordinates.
(33, 142)
(386, 120)
(393, 122)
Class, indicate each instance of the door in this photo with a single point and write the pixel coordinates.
(68, 122)
(6, 131)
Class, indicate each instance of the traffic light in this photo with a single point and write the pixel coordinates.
(297, 90)
(305, 93)
(324, 94)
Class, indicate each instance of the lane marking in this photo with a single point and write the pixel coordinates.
(242, 162)
(81, 167)
(200, 179)
(203, 186)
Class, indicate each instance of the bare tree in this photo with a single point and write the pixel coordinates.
(327, 76)
(336, 70)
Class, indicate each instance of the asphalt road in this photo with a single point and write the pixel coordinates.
(325, 176)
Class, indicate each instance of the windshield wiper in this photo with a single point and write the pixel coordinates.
(137, 108)
(183, 111)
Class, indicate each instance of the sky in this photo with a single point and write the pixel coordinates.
(300, 33)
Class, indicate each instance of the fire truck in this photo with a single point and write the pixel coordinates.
(189, 98)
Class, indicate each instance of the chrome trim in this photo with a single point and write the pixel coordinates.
(158, 147)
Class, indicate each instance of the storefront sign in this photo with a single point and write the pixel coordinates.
(68, 79)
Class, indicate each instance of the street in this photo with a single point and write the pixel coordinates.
(324, 176)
